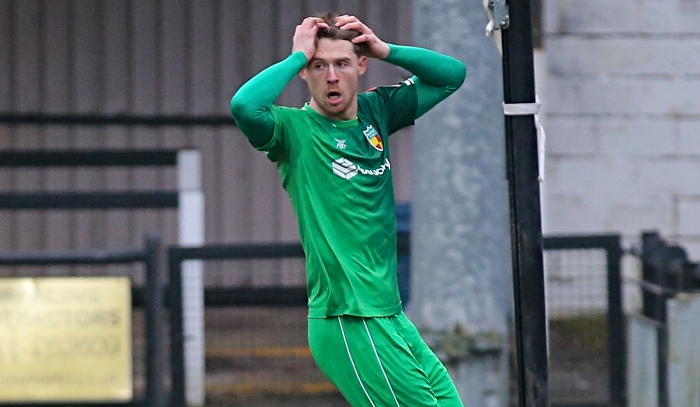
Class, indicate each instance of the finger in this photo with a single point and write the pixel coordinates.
(361, 38)
(311, 21)
(311, 25)
(344, 19)
(356, 25)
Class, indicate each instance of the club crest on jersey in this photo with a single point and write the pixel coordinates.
(374, 138)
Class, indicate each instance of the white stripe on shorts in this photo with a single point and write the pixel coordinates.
(353, 362)
(380, 363)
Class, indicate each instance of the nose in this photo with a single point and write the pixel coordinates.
(332, 77)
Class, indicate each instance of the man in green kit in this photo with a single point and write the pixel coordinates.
(333, 157)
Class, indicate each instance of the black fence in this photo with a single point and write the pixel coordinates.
(150, 297)
(612, 331)
(666, 272)
(153, 298)
(588, 350)
(228, 297)
(88, 200)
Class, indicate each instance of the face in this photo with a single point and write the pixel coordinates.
(332, 76)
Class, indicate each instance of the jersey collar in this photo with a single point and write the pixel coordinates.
(335, 123)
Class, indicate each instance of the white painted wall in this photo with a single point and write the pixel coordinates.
(620, 84)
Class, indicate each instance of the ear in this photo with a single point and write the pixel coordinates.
(302, 73)
(362, 64)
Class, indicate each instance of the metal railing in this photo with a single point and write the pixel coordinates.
(239, 296)
(666, 272)
(296, 296)
(88, 200)
(153, 295)
(614, 313)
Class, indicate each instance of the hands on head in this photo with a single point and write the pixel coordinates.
(377, 48)
(305, 36)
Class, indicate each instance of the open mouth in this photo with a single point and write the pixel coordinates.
(333, 96)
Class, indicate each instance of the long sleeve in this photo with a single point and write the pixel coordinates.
(251, 104)
(436, 76)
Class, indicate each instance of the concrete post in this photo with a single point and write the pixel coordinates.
(461, 269)
(191, 223)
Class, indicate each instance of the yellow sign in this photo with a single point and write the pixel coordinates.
(65, 339)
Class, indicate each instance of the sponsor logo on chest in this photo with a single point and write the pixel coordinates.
(375, 140)
(347, 169)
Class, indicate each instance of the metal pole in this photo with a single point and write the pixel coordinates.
(617, 345)
(154, 323)
(177, 351)
(654, 304)
(526, 223)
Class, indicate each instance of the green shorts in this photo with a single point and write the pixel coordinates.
(380, 361)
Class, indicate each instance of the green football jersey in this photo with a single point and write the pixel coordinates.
(338, 177)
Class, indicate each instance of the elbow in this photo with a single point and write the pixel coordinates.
(463, 74)
(455, 80)
(243, 110)
(454, 76)
(457, 73)
(237, 106)
(460, 75)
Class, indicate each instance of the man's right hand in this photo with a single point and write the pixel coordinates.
(305, 36)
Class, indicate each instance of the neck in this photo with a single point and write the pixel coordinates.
(347, 114)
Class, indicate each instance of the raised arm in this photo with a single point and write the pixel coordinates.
(436, 76)
(252, 103)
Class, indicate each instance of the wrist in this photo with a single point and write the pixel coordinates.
(393, 51)
(384, 52)
(299, 56)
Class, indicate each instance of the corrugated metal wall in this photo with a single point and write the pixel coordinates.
(152, 58)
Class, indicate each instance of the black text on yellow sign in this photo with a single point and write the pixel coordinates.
(65, 339)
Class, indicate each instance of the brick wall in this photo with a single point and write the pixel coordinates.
(620, 83)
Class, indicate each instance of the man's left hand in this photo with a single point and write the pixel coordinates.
(377, 48)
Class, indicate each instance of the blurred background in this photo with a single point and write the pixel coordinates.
(618, 82)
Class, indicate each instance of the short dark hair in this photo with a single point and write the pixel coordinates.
(335, 33)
